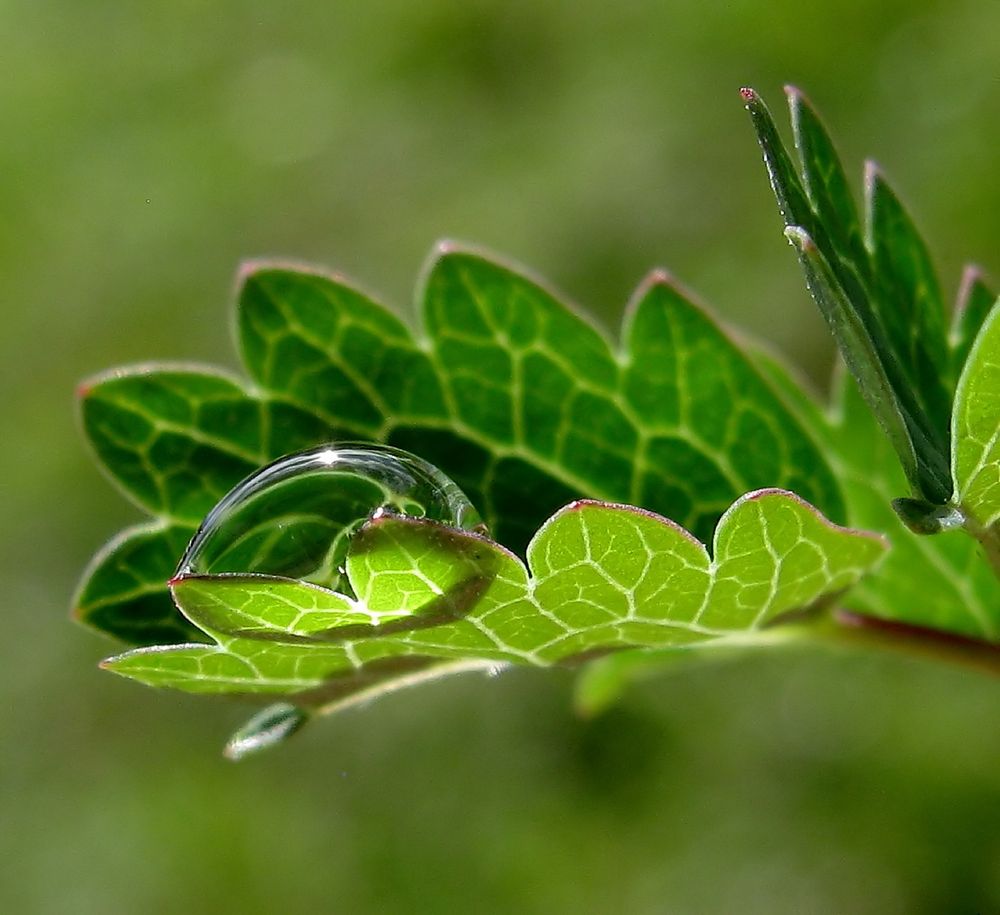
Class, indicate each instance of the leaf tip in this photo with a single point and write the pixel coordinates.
(972, 275)
(797, 100)
(874, 177)
(659, 277)
(78, 614)
(799, 238)
(445, 246)
(247, 267)
(749, 95)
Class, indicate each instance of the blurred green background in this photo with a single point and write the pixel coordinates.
(147, 148)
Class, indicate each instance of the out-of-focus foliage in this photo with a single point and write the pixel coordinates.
(149, 147)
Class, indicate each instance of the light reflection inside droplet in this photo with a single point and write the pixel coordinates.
(295, 517)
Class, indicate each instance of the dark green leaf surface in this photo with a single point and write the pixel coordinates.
(525, 404)
(913, 315)
(517, 398)
(878, 282)
(123, 591)
(598, 577)
(175, 439)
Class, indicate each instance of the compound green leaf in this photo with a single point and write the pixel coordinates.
(510, 392)
(527, 406)
(598, 577)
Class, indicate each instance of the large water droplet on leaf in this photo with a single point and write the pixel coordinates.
(295, 517)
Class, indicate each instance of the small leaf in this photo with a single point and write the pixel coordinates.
(976, 433)
(880, 296)
(793, 202)
(266, 729)
(926, 518)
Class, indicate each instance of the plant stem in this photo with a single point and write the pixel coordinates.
(844, 627)
(989, 537)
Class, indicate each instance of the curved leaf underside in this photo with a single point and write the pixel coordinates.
(510, 392)
(598, 578)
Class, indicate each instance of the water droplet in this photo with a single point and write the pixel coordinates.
(295, 517)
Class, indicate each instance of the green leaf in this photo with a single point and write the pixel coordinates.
(517, 398)
(976, 431)
(599, 577)
(526, 405)
(123, 591)
(859, 350)
(913, 313)
(826, 185)
(174, 439)
(876, 287)
(421, 574)
(269, 727)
